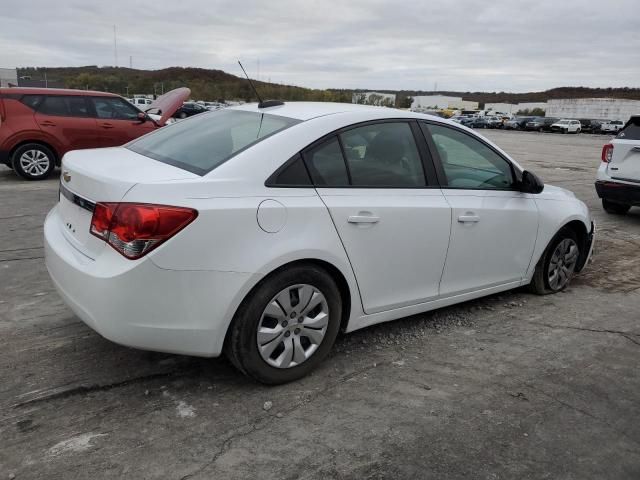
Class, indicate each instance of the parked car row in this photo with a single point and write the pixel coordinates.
(39, 125)
(563, 125)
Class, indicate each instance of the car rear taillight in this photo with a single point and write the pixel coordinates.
(607, 153)
(134, 229)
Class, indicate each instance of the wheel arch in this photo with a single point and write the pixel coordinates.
(336, 274)
(57, 159)
(582, 233)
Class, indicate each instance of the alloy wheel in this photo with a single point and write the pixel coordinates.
(292, 326)
(35, 162)
(562, 264)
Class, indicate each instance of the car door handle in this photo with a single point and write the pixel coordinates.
(106, 125)
(47, 123)
(363, 219)
(468, 219)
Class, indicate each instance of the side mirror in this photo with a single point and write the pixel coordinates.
(531, 183)
(142, 117)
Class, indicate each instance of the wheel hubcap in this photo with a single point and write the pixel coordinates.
(563, 263)
(34, 162)
(283, 343)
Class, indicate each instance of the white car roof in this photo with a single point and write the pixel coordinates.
(308, 110)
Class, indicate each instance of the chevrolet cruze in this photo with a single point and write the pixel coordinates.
(261, 231)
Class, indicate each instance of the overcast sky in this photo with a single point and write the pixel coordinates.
(494, 45)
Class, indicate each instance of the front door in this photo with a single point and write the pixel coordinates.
(494, 226)
(394, 224)
(118, 121)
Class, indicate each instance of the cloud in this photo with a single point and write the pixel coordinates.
(509, 45)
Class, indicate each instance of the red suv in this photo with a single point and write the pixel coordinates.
(39, 125)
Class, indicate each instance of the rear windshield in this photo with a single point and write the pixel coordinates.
(631, 130)
(204, 142)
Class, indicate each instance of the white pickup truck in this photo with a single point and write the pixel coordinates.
(618, 178)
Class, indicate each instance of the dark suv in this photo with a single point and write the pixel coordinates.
(540, 124)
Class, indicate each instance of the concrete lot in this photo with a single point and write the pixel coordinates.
(512, 386)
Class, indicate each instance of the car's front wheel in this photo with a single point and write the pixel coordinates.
(286, 326)
(557, 264)
(614, 207)
(33, 161)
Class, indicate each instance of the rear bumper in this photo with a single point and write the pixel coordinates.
(618, 192)
(137, 304)
(4, 158)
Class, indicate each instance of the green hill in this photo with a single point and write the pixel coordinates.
(215, 84)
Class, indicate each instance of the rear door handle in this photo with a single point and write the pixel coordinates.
(363, 219)
(468, 219)
(47, 123)
(106, 125)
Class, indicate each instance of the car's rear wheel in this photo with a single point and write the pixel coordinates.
(286, 326)
(33, 161)
(614, 207)
(557, 265)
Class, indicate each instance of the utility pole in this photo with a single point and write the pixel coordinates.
(115, 46)
(46, 83)
(130, 61)
(258, 78)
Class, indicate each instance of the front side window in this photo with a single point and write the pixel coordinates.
(206, 141)
(114, 108)
(383, 155)
(469, 163)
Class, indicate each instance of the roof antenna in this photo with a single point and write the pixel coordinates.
(261, 104)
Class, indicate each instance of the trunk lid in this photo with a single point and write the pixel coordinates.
(103, 175)
(625, 163)
(166, 105)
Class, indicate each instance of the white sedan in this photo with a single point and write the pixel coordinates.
(262, 231)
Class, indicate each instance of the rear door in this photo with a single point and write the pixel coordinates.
(68, 120)
(118, 121)
(493, 225)
(393, 220)
(625, 163)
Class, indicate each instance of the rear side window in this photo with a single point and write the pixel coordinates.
(383, 155)
(204, 142)
(292, 174)
(326, 164)
(631, 130)
(31, 101)
(61, 106)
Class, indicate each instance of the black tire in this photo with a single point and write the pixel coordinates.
(42, 164)
(540, 282)
(615, 208)
(241, 345)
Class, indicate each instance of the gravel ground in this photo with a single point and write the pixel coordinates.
(509, 386)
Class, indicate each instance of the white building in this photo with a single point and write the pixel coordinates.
(8, 76)
(513, 108)
(437, 102)
(374, 98)
(593, 108)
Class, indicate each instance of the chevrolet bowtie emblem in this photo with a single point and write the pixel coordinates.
(66, 177)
